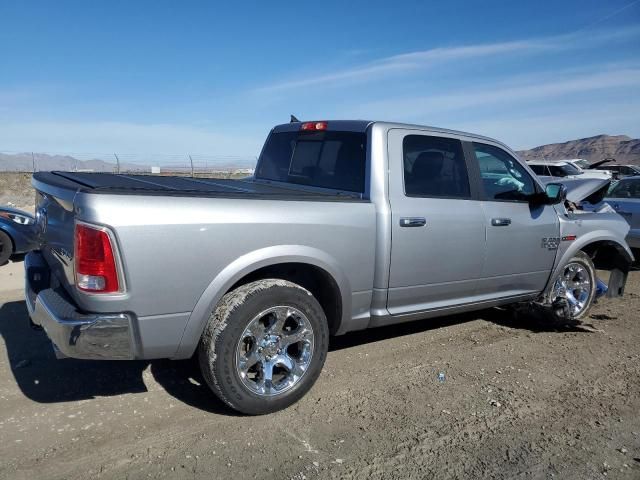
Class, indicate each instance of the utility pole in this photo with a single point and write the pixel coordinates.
(117, 162)
(191, 160)
(33, 162)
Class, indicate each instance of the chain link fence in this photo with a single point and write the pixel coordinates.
(129, 163)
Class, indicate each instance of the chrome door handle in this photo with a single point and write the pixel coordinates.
(413, 222)
(500, 222)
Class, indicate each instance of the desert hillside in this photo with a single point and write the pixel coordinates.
(624, 149)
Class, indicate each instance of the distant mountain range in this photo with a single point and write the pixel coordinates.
(624, 149)
(24, 162)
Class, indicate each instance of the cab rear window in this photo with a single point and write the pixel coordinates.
(327, 159)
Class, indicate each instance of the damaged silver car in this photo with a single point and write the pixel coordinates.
(345, 225)
(584, 215)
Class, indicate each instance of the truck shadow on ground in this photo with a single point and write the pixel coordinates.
(44, 379)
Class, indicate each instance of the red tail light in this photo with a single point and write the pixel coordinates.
(96, 269)
(313, 126)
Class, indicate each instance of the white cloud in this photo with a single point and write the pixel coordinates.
(400, 64)
(417, 107)
(406, 63)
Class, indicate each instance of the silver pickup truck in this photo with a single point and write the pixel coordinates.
(345, 225)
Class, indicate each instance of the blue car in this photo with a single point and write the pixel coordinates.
(624, 198)
(17, 233)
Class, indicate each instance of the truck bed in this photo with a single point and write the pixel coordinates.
(125, 184)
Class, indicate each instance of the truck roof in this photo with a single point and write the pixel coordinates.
(548, 162)
(362, 125)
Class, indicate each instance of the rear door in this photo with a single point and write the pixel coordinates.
(438, 233)
(522, 239)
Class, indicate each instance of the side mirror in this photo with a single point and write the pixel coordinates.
(556, 193)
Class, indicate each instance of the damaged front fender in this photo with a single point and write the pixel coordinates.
(601, 235)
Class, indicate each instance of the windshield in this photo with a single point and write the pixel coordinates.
(625, 189)
(555, 170)
(325, 159)
(570, 169)
(582, 164)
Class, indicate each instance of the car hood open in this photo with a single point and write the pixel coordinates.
(590, 190)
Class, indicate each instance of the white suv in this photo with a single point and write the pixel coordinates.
(566, 169)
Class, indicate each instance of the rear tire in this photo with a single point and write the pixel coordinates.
(264, 346)
(6, 247)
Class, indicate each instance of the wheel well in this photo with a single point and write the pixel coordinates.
(607, 255)
(319, 282)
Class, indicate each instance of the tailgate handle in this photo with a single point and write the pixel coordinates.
(413, 222)
(500, 222)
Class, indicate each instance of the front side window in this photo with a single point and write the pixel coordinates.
(434, 167)
(503, 178)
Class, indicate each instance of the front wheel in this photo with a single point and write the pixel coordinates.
(264, 346)
(6, 247)
(576, 284)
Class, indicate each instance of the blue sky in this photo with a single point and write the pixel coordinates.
(202, 77)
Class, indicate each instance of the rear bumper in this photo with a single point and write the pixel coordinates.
(94, 336)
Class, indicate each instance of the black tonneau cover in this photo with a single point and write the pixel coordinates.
(124, 184)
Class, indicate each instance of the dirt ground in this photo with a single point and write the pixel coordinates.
(15, 189)
(520, 400)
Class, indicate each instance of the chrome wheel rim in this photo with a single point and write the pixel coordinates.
(574, 284)
(274, 351)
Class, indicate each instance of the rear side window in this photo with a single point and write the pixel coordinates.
(434, 167)
(326, 159)
(539, 169)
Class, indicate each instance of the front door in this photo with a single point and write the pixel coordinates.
(522, 239)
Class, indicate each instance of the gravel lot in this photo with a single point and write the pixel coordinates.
(520, 400)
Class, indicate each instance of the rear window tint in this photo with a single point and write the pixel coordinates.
(434, 167)
(330, 159)
(539, 170)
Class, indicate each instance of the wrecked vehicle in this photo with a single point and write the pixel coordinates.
(565, 169)
(17, 233)
(344, 226)
(624, 198)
